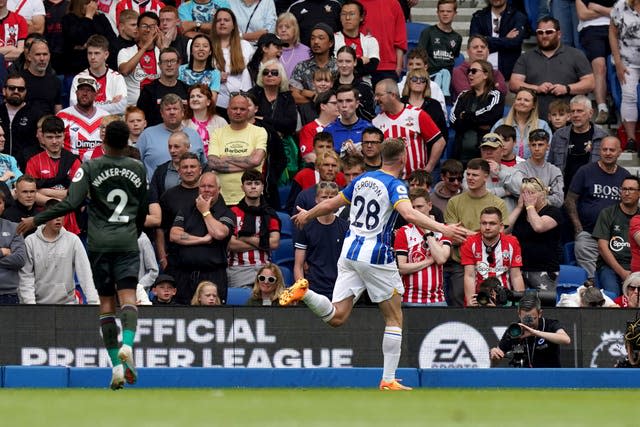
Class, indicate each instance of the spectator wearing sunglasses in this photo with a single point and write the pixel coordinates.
(267, 286)
(490, 253)
(20, 126)
(475, 111)
(538, 224)
(630, 297)
(537, 166)
(451, 184)
(552, 70)
(612, 232)
(275, 103)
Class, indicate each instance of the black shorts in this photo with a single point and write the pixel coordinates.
(595, 42)
(114, 271)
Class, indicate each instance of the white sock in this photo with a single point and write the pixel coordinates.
(603, 107)
(391, 347)
(319, 305)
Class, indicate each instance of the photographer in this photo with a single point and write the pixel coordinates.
(534, 341)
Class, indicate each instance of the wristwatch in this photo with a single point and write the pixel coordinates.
(198, 25)
(428, 234)
(568, 89)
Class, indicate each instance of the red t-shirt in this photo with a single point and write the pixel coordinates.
(41, 166)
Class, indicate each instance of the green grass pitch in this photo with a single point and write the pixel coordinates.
(317, 407)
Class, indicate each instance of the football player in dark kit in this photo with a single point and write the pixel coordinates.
(534, 341)
(117, 187)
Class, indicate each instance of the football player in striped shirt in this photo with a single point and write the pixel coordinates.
(367, 261)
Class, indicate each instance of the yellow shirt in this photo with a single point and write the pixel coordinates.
(226, 141)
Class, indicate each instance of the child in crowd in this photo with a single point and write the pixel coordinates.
(164, 288)
(322, 82)
(136, 122)
(508, 134)
(558, 115)
(206, 294)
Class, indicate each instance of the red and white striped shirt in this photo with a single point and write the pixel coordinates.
(13, 28)
(506, 254)
(253, 257)
(424, 286)
(81, 133)
(416, 128)
(140, 7)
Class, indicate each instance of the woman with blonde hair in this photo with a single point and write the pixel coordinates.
(231, 54)
(275, 103)
(524, 118)
(268, 286)
(206, 294)
(417, 92)
(289, 32)
(537, 223)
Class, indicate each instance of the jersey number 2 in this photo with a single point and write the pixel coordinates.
(371, 219)
(116, 215)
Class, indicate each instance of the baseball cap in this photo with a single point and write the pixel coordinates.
(164, 278)
(492, 140)
(88, 81)
(270, 38)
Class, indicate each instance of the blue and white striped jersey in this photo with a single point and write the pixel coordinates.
(373, 197)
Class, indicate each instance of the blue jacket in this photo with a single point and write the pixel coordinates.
(509, 49)
(341, 133)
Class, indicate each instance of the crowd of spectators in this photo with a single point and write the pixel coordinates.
(229, 102)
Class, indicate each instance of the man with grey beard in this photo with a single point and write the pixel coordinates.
(43, 87)
(19, 121)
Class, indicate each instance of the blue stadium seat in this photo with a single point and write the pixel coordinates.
(283, 192)
(283, 256)
(414, 29)
(287, 276)
(238, 296)
(571, 275)
(286, 229)
(568, 254)
(610, 294)
(564, 289)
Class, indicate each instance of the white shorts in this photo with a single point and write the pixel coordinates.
(380, 281)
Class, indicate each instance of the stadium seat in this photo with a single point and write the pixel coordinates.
(283, 256)
(568, 254)
(287, 276)
(284, 191)
(286, 229)
(414, 29)
(562, 289)
(610, 294)
(238, 296)
(571, 275)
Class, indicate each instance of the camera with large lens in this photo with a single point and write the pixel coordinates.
(517, 356)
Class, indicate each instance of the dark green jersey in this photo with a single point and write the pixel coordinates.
(117, 188)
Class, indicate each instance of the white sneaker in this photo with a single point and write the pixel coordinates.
(117, 377)
(126, 357)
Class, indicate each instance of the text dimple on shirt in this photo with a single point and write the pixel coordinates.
(117, 172)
